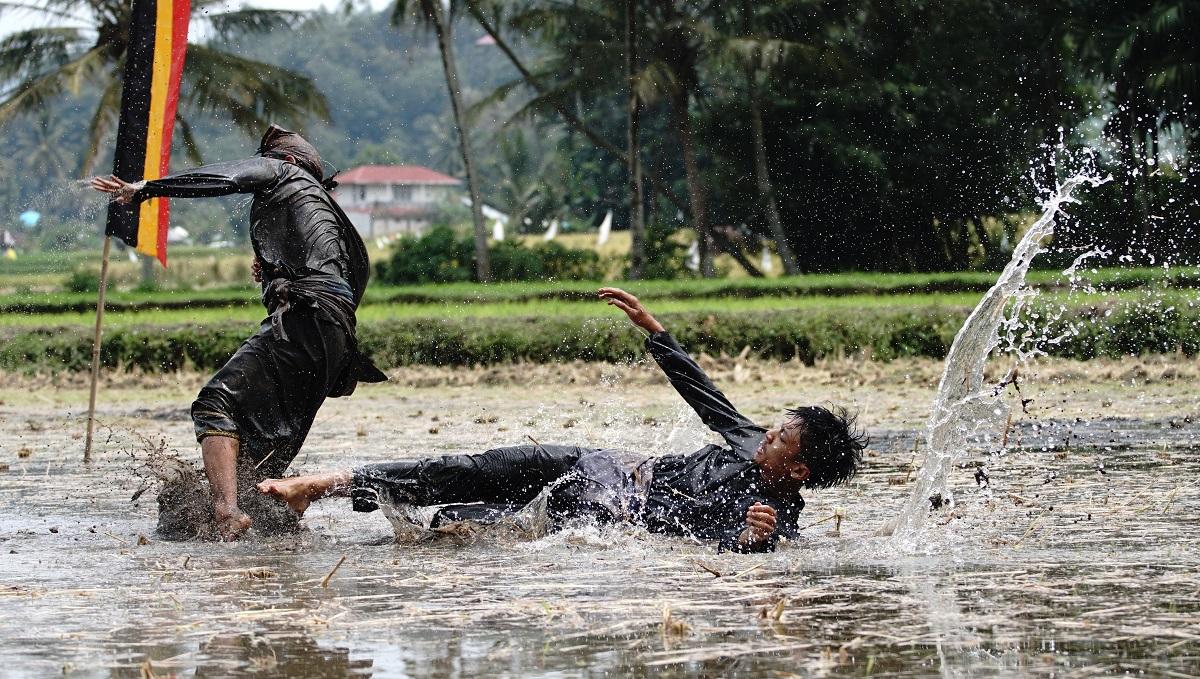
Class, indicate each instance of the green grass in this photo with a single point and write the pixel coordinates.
(1134, 325)
(459, 309)
(812, 285)
(808, 317)
(554, 308)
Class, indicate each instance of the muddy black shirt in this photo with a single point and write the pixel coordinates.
(310, 252)
(296, 228)
(707, 493)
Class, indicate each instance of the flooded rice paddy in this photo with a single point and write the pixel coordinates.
(1076, 554)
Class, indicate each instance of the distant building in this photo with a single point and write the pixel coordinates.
(386, 200)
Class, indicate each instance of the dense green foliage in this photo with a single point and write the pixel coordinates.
(440, 256)
(897, 135)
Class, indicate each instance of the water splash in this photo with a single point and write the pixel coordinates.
(964, 408)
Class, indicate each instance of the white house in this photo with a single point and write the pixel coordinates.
(384, 200)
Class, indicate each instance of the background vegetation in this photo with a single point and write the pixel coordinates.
(885, 155)
(893, 135)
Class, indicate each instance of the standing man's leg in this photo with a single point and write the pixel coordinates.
(259, 407)
(220, 464)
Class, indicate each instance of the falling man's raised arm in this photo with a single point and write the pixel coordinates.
(688, 378)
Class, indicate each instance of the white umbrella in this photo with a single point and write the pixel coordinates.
(551, 232)
(767, 264)
(497, 230)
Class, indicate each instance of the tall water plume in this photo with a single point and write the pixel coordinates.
(966, 408)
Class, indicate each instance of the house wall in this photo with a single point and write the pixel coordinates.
(369, 226)
(397, 195)
(361, 200)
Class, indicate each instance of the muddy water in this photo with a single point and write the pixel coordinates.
(1079, 554)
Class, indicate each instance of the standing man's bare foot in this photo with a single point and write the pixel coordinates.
(299, 491)
(232, 523)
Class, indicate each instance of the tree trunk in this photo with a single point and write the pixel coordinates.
(762, 176)
(149, 280)
(571, 119)
(683, 126)
(483, 267)
(637, 224)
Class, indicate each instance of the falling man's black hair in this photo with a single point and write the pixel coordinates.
(830, 444)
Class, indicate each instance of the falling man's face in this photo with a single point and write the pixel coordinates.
(778, 457)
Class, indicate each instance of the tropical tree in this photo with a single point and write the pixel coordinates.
(73, 47)
(753, 39)
(438, 16)
(674, 39)
(1147, 53)
(637, 218)
(530, 177)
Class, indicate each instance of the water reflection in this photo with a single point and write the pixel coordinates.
(265, 653)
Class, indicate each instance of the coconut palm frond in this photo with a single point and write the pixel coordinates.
(243, 22)
(421, 13)
(33, 94)
(108, 111)
(251, 92)
(1182, 76)
(190, 148)
(26, 54)
(1165, 17)
(47, 9)
(496, 96)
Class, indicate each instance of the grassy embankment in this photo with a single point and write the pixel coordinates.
(807, 318)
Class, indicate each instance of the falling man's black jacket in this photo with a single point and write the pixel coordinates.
(707, 493)
(703, 495)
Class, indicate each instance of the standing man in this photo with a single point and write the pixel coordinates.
(253, 416)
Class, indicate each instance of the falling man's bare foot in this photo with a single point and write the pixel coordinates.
(299, 491)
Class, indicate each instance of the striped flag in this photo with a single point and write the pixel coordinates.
(153, 66)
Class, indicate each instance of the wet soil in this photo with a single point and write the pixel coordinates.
(1075, 553)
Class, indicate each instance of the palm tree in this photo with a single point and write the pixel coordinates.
(637, 222)
(76, 45)
(1148, 53)
(530, 177)
(438, 17)
(555, 98)
(750, 41)
(676, 37)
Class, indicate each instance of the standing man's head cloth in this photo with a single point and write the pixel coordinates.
(278, 143)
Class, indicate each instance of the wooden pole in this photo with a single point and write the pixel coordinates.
(91, 418)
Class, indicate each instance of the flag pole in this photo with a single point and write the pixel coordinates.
(91, 418)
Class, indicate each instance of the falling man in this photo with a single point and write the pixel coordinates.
(745, 495)
(252, 417)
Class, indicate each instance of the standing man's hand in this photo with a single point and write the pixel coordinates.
(760, 525)
(121, 190)
(256, 269)
(632, 307)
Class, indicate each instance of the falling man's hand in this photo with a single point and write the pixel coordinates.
(760, 525)
(632, 307)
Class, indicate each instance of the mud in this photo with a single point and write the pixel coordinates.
(1072, 555)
